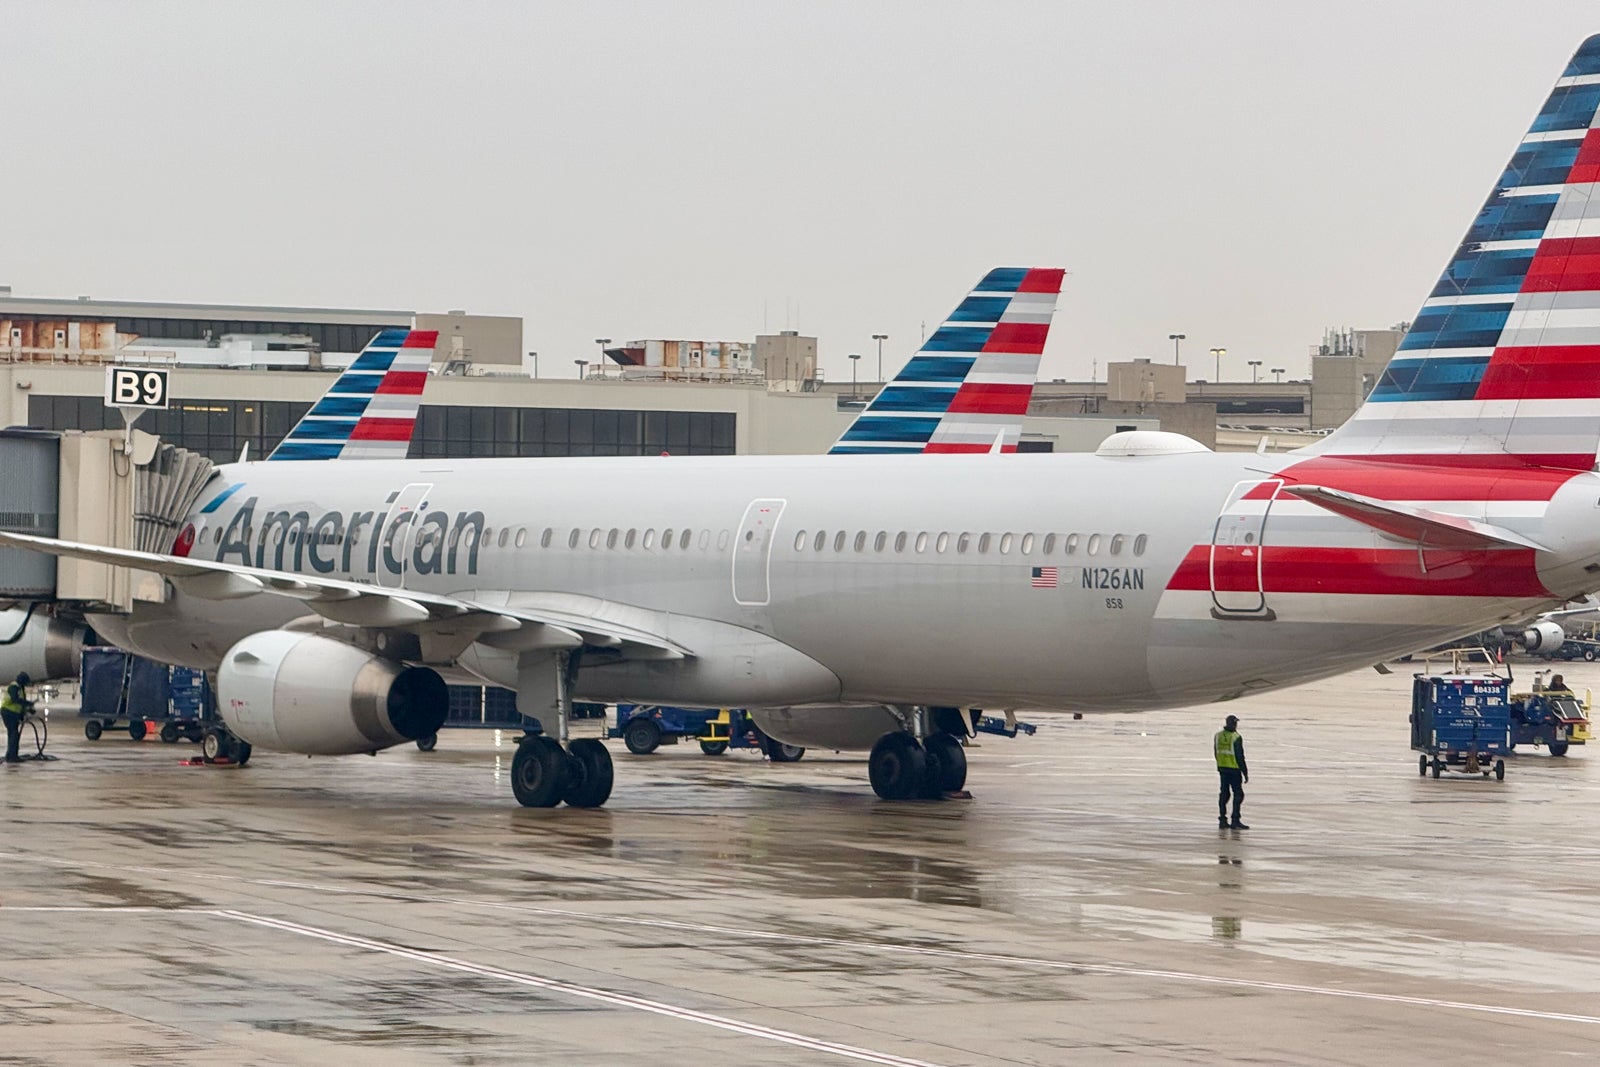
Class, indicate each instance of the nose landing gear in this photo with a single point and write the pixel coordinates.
(903, 768)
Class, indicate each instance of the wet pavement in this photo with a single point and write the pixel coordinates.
(1082, 908)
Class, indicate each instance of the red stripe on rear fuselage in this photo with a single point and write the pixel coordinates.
(1426, 477)
(1502, 573)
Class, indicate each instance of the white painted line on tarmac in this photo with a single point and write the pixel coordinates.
(553, 985)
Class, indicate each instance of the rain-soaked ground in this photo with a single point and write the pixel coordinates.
(1081, 908)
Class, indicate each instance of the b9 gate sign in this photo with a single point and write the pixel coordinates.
(136, 387)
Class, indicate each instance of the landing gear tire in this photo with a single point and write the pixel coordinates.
(952, 760)
(427, 742)
(642, 737)
(239, 752)
(169, 733)
(92, 729)
(539, 773)
(897, 767)
(713, 748)
(137, 729)
(1559, 748)
(778, 752)
(589, 774)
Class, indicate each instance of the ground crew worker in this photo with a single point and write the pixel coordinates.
(13, 707)
(1232, 770)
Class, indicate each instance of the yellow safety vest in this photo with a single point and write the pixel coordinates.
(14, 697)
(1226, 760)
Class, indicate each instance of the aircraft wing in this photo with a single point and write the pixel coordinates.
(503, 620)
(1434, 529)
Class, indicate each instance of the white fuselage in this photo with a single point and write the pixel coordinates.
(908, 579)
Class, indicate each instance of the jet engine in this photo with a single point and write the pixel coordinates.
(300, 692)
(842, 727)
(1544, 636)
(44, 647)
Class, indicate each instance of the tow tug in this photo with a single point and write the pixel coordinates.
(1550, 715)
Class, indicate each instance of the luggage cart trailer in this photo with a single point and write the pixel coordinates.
(1461, 721)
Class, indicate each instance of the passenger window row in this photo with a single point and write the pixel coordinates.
(971, 543)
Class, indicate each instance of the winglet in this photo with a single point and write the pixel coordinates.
(971, 381)
(371, 410)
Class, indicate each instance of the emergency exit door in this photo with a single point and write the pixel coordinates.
(752, 552)
(1237, 550)
(400, 533)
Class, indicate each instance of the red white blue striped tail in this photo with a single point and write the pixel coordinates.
(1503, 360)
(372, 409)
(967, 389)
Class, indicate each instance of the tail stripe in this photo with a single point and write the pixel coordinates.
(371, 409)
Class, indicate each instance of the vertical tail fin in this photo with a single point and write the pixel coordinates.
(372, 408)
(1503, 360)
(967, 388)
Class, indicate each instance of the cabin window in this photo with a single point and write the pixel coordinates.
(666, 538)
(1027, 544)
(722, 540)
(1069, 544)
(838, 541)
(1116, 544)
(630, 537)
(800, 541)
(1139, 544)
(984, 542)
(469, 538)
(963, 543)
(705, 540)
(922, 541)
(594, 537)
(1094, 544)
(861, 540)
(822, 540)
(879, 541)
(943, 542)
(900, 541)
(611, 537)
(650, 538)
(505, 535)
(572, 538)
(546, 537)
(522, 536)
(486, 538)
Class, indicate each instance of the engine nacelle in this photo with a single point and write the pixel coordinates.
(843, 727)
(1545, 636)
(299, 692)
(48, 649)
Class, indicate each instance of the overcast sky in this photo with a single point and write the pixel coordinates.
(1247, 173)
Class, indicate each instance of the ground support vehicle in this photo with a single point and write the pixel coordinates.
(118, 688)
(1554, 718)
(1461, 721)
(646, 727)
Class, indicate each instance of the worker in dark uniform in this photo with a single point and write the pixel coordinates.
(13, 706)
(1232, 770)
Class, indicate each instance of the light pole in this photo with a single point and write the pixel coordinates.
(1255, 370)
(582, 363)
(602, 342)
(535, 357)
(880, 338)
(1219, 353)
(855, 358)
(1176, 339)
(1277, 374)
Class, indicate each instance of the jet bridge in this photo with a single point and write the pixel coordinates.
(123, 490)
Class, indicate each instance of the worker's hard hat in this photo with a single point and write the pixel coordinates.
(22, 678)
(1231, 721)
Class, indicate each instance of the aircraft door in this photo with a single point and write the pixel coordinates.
(399, 533)
(1237, 544)
(752, 552)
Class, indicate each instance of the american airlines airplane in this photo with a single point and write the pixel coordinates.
(851, 596)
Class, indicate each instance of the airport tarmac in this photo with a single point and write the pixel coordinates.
(1081, 908)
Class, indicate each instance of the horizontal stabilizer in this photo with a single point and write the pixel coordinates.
(1432, 529)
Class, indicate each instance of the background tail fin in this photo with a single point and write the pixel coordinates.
(372, 408)
(1504, 357)
(969, 384)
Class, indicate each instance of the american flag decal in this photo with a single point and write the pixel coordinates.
(1045, 577)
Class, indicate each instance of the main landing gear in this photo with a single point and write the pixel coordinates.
(903, 768)
(546, 770)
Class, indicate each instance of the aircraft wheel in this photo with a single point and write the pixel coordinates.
(952, 777)
(897, 766)
(92, 729)
(539, 773)
(427, 742)
(589, 774)
(642, 737)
